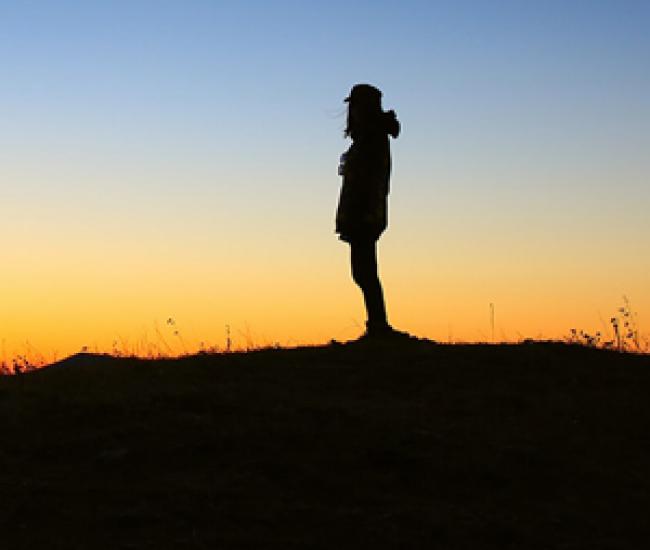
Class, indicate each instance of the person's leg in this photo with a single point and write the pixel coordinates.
(363, 255)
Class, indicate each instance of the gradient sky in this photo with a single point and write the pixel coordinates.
(178, 159)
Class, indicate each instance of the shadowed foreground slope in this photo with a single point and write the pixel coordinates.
(413, 445)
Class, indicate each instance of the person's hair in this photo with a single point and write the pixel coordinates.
(369, 118)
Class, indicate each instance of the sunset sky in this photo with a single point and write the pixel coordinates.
(179, 160)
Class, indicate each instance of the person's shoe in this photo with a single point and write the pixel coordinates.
(382, 333)
(394, 333)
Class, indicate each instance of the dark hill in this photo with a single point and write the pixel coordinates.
(409, 445)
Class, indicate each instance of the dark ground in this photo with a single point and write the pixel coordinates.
(414, 445)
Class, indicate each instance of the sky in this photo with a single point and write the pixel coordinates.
(178, 160)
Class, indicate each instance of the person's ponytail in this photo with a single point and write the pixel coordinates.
(391, 124)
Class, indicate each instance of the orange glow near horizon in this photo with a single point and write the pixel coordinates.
(268, 299)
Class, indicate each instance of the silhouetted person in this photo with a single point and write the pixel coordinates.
(361, 216)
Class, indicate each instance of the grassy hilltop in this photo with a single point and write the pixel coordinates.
(406, 445)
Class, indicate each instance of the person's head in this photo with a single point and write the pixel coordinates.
(365, 113)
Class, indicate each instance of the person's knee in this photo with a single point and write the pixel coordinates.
(364, 266)
(365, 276)
(359, 274)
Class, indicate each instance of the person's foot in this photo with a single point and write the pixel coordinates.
(394, 333)
(383, 332)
